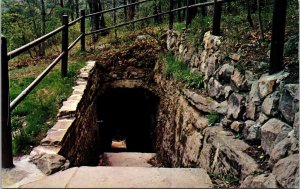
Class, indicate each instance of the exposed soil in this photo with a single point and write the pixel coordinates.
(259, 155)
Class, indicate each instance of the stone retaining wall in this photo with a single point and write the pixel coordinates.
(261, 108)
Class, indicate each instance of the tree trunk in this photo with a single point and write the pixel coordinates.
(115, 19)
(77, 8)
(131, 10)
(125, 11)
(278, 31)
(93, 6)
(43, 27)
(249, 18)
(62, 6)
(192, 12)
(179, 16)
(261, 30)
(157, 9)
(102, 21)
(203, 9)
(72, 8)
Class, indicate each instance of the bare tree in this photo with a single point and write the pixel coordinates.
(261, 30)
(249, 18)
(157, 9)
(43, 27)
(192, 12)
(98, 21)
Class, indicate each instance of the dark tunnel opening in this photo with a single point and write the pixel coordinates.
(127, 120)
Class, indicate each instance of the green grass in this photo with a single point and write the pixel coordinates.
(180, 72)
(213, 118)
(37, 112)
(229, 179)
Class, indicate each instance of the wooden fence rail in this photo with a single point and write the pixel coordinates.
(7, 107)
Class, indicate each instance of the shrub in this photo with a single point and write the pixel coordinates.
(180, 72)
(213, 118)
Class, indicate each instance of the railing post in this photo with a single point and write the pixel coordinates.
(82, 29)
(7, 160)
(64, 46)
(277, 41)
(171, 15)
(217, 17)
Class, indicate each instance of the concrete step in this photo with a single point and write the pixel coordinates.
(125, 177)
(129, 159)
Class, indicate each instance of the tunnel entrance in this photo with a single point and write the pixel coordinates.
(127, 119)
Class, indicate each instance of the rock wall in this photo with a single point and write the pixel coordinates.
(263, 109)
(260, 108)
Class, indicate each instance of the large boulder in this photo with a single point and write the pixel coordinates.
(289, 102)
(261, 181)
(254, 92)
(251, 131)
(205, 103)
(238, 81)
(237, 126)
(286, 171)
(50, 163)
(172, 38)
(251, 110)
(211, 64)
(211, 42)
(270, 104)
(223, 74)
(272, 132)
(296, 125)
(217, 90)
(267, 83)
(262, 118)
(192, 148)
(286, 147)
(223, 154)
(236, 106)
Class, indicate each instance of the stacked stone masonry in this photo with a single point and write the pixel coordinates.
(47, 155)
(262, 108)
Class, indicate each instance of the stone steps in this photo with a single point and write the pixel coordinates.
(125, 177)
(129, 159)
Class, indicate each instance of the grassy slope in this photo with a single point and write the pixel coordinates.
(37, 112)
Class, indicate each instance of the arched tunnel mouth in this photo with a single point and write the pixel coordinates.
(127, 120)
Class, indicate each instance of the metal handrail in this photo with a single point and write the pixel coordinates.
(116, 8)
(33, 84)
(28, 46)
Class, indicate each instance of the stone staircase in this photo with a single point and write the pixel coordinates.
(125, 170)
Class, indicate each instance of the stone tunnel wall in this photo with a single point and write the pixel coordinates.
(82, 142)
(263, 109)
(260, 108)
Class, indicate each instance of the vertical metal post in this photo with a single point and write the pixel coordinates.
(64, 46)
(7, 159)
(187, 16)
(217, 18)
(82, 29)
(277, 41)
(171, 15)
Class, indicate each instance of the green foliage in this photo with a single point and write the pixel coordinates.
(179, 26)
(229, 178)
(182, 73)
(291, 46)
(33, 116)
(213, 118)
(241, 68)
(197, 29)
